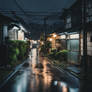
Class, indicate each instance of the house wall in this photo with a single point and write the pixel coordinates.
(89, 44)
(13, 34)
(73, 48)
(71, 43)
(20, 35)
(89, 49)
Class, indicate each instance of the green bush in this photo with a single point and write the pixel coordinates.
(45, 48)
(17, 51)
(53, 54)
(62, 55)
(53, 50)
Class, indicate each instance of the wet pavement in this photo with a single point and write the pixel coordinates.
(44, 79)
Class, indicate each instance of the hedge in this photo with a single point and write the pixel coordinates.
(17, 51)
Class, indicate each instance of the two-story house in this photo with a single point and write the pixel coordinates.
(72, 21)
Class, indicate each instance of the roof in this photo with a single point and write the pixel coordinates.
(5, 19)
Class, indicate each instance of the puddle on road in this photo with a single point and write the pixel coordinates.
(65, 87)
(31, 79)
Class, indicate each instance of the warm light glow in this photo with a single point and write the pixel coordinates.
(54, 35)
(42, 43)
(50, 39)
(63, 36)
(64, 89)
(34, 41)
(74, 36)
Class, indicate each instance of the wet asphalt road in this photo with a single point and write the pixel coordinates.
(47, 79)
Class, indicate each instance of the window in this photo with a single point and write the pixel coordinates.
(68, 22)
(89, 11)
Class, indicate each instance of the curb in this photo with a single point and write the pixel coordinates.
(65, 71)
(73, 73)
(10, 75)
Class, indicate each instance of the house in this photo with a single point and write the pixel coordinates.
(73, 30)
(16, 32)
(52, 38)
(9, 30)
(72, 17)
(88, 29)
(4, 22)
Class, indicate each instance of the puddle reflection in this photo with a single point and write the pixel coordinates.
(31, 79)
(20, 83)
(64, 87)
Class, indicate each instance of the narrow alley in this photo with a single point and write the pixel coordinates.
(44, 79)
(45, 45)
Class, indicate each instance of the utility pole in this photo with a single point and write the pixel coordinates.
(45, 28)
(85, 64)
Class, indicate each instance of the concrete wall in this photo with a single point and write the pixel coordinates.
(89, 44)
(13, 34)
(89, 50)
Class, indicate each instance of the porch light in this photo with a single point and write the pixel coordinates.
(63, 36)
(50, 39)
(54, 35)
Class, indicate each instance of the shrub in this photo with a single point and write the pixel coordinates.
(18, 50)
(45, 48)
(53, 54)
(62, 55)
(53, 50)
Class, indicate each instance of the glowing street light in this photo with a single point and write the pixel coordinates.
(54, 35)
(50, 39)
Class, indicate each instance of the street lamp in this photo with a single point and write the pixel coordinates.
(50, 39)
(54, 35)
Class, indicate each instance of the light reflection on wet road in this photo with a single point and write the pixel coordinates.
(46, 79)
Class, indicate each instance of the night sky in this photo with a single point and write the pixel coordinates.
(34, 6)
